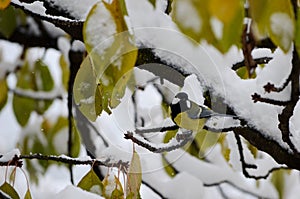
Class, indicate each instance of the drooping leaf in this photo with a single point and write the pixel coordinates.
(91, 182)
(9, 190)
(112, 187)
(4, 93)
(105, 73)
(23, 106)
(134, 176)
(43, 82)
(75, 140)
(65, 71)
(8, 21)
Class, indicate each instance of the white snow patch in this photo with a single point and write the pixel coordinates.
(75, 192)
(217, 27)
(187, 16)
(282, 25)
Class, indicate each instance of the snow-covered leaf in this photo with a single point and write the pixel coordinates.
(4, 93)
(9, 190)
(274, 19)
(105, 73)
(218, 22)
(134, 176)
(91, 182)
(226, 22)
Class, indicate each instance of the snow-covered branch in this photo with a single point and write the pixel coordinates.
(16, 160)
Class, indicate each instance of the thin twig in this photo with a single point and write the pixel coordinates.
(257, 98)
(155, 130)
(251, 166)
(261, 60)
(17, 161)
(181, 138)
(235, 186)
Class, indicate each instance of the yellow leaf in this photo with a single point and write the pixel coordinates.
(225, 11)
(4, 4)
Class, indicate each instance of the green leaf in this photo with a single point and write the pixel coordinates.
(76, 141)
(23, 106)
(8, 21)
(9, 190)
(134, 176)
(65, 71)
(105, 73)
(4, 93)
(28, 194)
(43, 82)
(91, 182)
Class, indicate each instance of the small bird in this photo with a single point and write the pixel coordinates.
(188, 114)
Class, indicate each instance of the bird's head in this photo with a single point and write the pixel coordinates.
(180, 103)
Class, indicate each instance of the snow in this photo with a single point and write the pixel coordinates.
(10, 155)
(75, 192)
(217, 27)
(220, 170)
(214, 72)
(76, 8)
(210, 67)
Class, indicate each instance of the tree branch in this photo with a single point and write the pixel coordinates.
(257, 98)
(70, 26)
(17, 161)
(182, 139)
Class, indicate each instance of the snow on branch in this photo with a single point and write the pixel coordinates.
(16, 160)
(180, 140)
